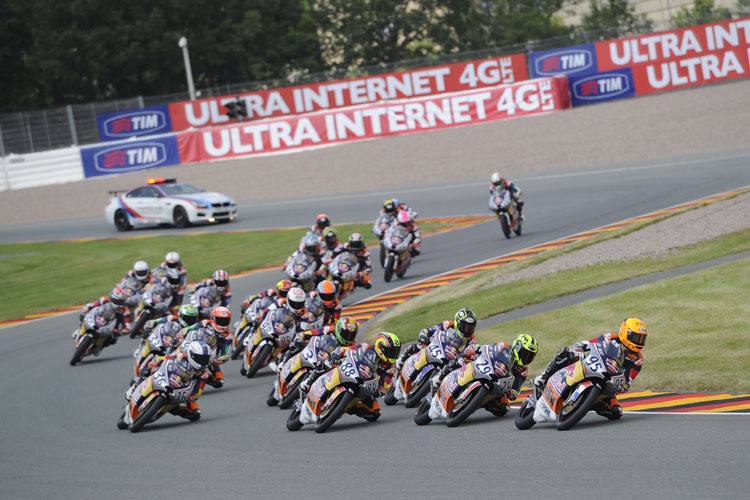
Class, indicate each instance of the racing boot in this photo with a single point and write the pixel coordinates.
(216, 378)
(369, 409)
(519, 206)
(191, 411)
(497, 407)
(609, 408)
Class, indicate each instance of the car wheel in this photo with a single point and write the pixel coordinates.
(180, 217)
(121, 221)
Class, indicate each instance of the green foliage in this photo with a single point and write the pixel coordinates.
(703, 11)
(742, 8)
(618, 17)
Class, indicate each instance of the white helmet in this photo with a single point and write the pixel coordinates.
(198, 354)
(296, 300)
(141, 270)
(496, 178)
(173, 278)
(172, 259)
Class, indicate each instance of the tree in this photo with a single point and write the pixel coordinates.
(615, 18)
(703, 12)
(743, 8)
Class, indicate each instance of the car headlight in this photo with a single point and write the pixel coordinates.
(198, 204)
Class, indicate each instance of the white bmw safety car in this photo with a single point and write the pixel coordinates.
(166, 201)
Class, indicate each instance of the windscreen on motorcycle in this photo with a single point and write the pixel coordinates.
(343, 264)
(282, 319)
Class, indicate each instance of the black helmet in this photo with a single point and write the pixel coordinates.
(117, 296)
(389, 206)
(322, 221)
(356, 242)
(311, 244)
(330, 237)
(465, 322)
(173, 277)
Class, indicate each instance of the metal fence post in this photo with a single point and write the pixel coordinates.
(140, 102)
(2, 160)
(72, 124)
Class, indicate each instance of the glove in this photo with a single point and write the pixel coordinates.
(334, 359)
(367, 285)
(625, 388)
(153, 365)
(299, 343)
(435, 382)
(424, 338)
(513, 395)
(471, 352)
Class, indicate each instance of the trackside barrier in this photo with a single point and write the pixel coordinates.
(41, 169)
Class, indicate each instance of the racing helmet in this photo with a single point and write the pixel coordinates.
(465, 322)
(346, 331)
(356, 242)
(283, 287)
(141, 270)
(172, 259)
(221, 317)
(388, 347)
(389, 206)
(403, 218)
(524, 349)
(497, 179)
(221, 279)
(633, 334)
(330, 237)
(311, 244)
(188, 315)
(295, 299)
(198, 354)
(327, 292)
(173, 278)
(118, 296)
(322, 221)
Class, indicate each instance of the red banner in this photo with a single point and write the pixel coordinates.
(373, 121)
(681, 58)
(352, 92)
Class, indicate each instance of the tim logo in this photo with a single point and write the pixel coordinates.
(144, 155)
(135, 123)
(564, 61)
(602, 86)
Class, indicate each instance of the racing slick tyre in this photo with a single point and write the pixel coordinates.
(389, 263)
(121, 422)
(504, 224)
(139, 324)
(180, 217)
(292, 421)
(389, 399)
(456, 417)
(422, 417)
(420, 392)
(271, 400)
(338, 409)
(150, 412)
(121, 221)
(291, 395)
(260, 360)
(518, 228)
(525, 416)
(570, 416)
(81, 350)
(382, 254)
(401, 272)
(240, 344)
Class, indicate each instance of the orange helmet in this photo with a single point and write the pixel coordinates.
(327, 292)
(633, 334)
(221, 317)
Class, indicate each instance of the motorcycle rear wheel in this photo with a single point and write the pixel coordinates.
(382, 255)
(260, 360)
(389, 263)
(401, 272)
(518, 228)
(389, 398)
(422, 417)
(240, 346)
(150, 412)
(81, 350)
(292, 421)
(416, 395)
(525, 416)
(504, 224)
(139, 323)
(339, 407)
(475, 399)
(586, 402)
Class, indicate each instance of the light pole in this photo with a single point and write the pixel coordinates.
(191, 87)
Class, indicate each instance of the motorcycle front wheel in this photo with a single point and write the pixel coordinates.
(292, 421)
(139, 323)
(291, 395)
(150, 412)
(240, 344)
(389, 264)
(339, 407)
(382, 255)
(260, 360)
(525, 416)
(417, 394)
(389, 398)
(81, 350)
(569, 417)
(422, 417)
(470, 406)
(518, 228)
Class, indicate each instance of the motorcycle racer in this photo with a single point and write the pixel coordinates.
(405, 219)
(140, 271)
(498, 180)
(185, 318)
(356, 245)
(172, 261)
(220, 279)
(280, 291)
(218, 337)
(345, 331)
(111, 316)
(632, 337)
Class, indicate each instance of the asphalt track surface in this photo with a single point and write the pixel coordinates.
(58, 422)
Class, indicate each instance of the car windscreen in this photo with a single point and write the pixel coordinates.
(179, 188)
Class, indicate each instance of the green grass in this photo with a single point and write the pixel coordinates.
(60, 275)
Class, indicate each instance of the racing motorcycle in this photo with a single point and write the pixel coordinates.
(397, 241)
(574, 390)
(464, 390)
(152, 397)
(291, 374)
(158, 343)
(205, 299)
(154, 304)
(271, 338)
(248, 323)
(503, 204)
(335, 392)
(413, 382)
(301, 271)
(343, 273)
(133, 288)
(87, 338)
(381, 225)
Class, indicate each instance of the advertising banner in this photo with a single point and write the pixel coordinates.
(353, 92)
(373, 121)
(601, 87)
(576, 60)
(129, 156)
(135, 122)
